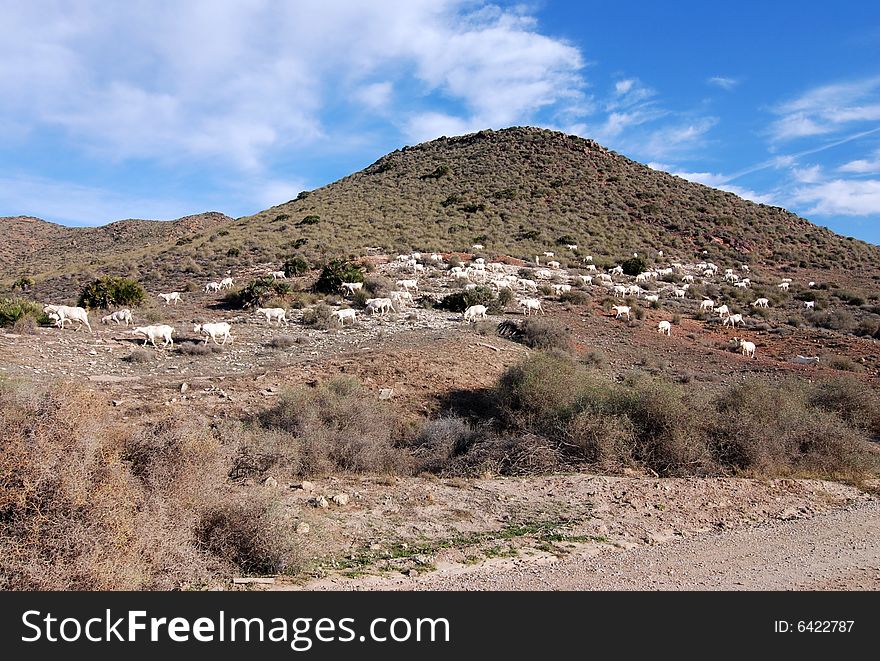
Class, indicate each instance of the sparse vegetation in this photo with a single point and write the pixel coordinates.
(335, 273)
(14, 310)
(111, 291)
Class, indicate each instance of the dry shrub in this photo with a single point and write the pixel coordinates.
(139, 356)
(282, 342)
(439, 441)
(88, 502)
(339, 427)
(546, 335)
(198, 349)
(774, 429)
(318, 316)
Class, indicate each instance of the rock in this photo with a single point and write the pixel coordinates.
(270, 482)
(302, 528)
(320, 501)
(340, 499)
(386, 393)
(116, 402)
(412, 573)
(305, 485)
(789, 513)
(184, 387)
(93, 353)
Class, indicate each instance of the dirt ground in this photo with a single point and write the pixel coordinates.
(562, 531)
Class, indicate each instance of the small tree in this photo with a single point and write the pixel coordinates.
(110, 291)
(634, 265)
(335, 273)
(258, 292)
(295, 266)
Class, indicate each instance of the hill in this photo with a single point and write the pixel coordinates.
(518, 191)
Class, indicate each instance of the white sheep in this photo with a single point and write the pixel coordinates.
(733, 320)
(634, 290)
(586, 279)
(477, 246)
(571, 246)
(525, 283)
(501, 283)
(475, 312)
(806, 360)
(212, 286)
(402, 296)
(560, 289)
(172, 297)
(276, 314)
(619, 291)
(810, 305)
(591, 268)
(760, 303)
(621, 310)
(783, 286)
(408, 284)
(665, 328)
(604, 277)
(68, 313)
(722, 310)
(587, 258)
(152, 332)
(342, 315)
(687, 278)
(531, 304)
(226, 283)
(748, 348)
(214, 330)
(679, 293)
(352, 287)
(554, 264)
(118, 317)
(706, 304)
(549, 254)
(652, 298)
(811, 284)
(379, 305)
(278, 275)
(617, 270)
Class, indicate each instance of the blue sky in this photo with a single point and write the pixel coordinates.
(160, 109)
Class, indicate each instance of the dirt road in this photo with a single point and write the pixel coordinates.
(835, 550)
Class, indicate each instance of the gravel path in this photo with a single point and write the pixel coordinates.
(837, 550)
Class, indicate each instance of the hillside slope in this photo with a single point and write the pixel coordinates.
(518, 191)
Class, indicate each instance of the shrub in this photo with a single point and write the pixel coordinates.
(335, 273)
(198, 348)
(13, 310)
(139, 356)
(339, 427)
(546, 334)
(575, 297)
(633, 266)
(295, 266)
(282, 342)
(462, 300)
(317, 316)
(258, 293)
(111, 291)
(23, 283)
(439, 441)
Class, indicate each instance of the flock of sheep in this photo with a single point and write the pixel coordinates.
(496, 275)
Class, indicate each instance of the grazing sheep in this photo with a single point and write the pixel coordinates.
(277, 314)
(571, 246)
(531, 304)
(733, 320)
(748, 348)
(408, 284)
(379, 305)
(591, 268)
(652, 298)
(477, 246)
(604, 277)
(665, 328)
(587, 258)
(722, 310)
(118, 317)
(760, 303)
(172, 297)
(525, 283)
(706, 304)
(475, 312)
(342, 315)
(619, 291)
(554, 265)
(402, 296)
(687, 278)
(278, 275)
(226, 283)
(549, 254)
(621, 310)
(352, 287)
(68, 313)
(679, 293)
(152, 332)
(586, 279)
(617, 270)
(810, 305)
(811, 284)
(634, 290)
(543, 274)
(560, 289)
(783, 286)
(212, 286)
(214, 330)
(501, 283)
(806, 360)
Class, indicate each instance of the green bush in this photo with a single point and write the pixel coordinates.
(258, 292)
(462, 300)
(23, 283)
(633, 266)
(15, 308)
(295, 266)
(111, 291)
(335, 273)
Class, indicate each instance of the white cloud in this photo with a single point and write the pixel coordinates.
(808, 175)
(678, 138)
(827, 109)
(624, 86)
(237, 82)
(723, 82)
(276, 191)
(841, 197)
(863, 165)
